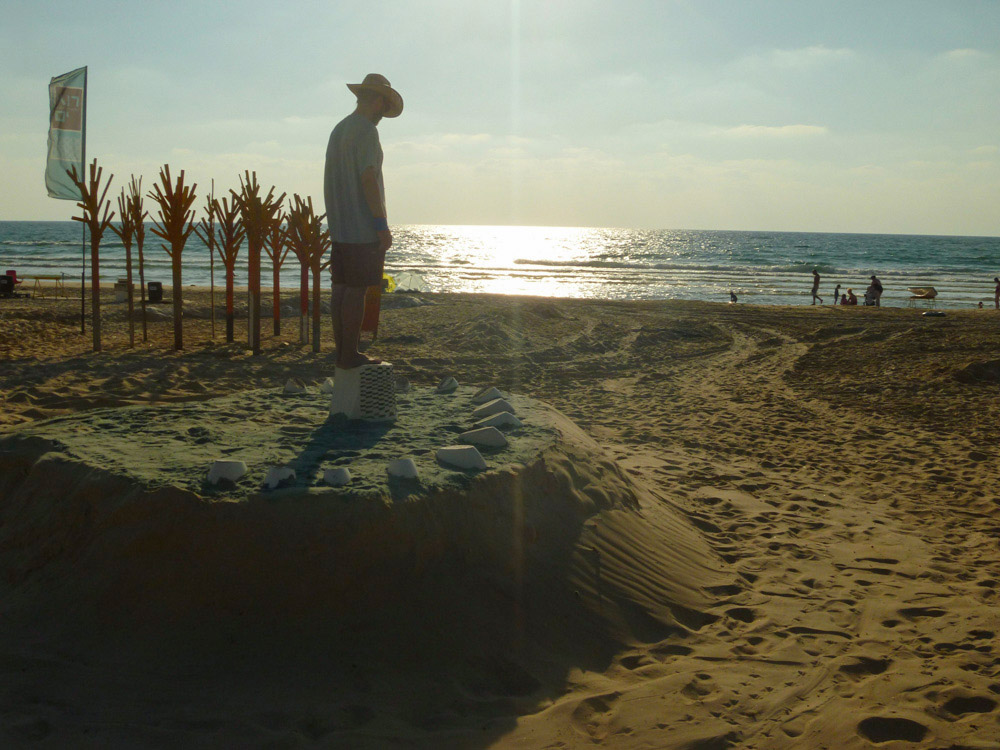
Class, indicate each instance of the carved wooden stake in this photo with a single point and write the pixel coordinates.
(138, 216)
(126, 231)
(206, 231)
(230, 236)
(309, 241)
(277, 252)
(92, 206)
(259, 215)
(175, 225)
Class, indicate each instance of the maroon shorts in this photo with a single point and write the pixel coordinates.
(356, 264)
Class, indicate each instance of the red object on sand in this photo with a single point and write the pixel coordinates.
(13, 275)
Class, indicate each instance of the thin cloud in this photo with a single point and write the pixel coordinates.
(965, 53)
(776, 131)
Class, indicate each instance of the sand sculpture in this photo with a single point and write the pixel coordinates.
(488, 552)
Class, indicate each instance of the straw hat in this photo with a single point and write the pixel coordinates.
(380, 85)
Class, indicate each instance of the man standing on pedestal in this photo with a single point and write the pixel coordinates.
(355, 211)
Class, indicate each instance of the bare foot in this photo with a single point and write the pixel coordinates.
(358, 360)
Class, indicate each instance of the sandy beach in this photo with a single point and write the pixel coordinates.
(795, 509)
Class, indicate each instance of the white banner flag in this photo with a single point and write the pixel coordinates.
(67, 133)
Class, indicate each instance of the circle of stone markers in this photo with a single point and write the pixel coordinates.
(492, 411)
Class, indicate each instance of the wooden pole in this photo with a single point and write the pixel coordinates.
(304, 300)
(126, 231)
(175, 225)
(211, 255)
(230, 237)
(276, 251)
(259, 216)
(92, 206)
(138, 217)
(309, 241)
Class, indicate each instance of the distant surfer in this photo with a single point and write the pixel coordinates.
(354, 193)
(815, 291)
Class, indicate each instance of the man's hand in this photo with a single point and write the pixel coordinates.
(384, 240)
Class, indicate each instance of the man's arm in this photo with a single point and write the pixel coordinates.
(369, 184)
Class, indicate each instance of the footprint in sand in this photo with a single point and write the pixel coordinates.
(864, 666)
(879, 729)
(970, 704)
(592, 717)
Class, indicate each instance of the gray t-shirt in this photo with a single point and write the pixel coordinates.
(353, 147)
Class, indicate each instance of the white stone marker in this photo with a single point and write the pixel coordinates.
(294, 386)
(500, 419)
(488, 437)
(229, 470)
(495, 406)
(276, 475)
(486, 394)
(403, 468)
(461, 457)
(337, 477)
(448, 385)
(367, 392)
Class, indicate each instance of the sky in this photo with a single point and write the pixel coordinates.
(800, 115)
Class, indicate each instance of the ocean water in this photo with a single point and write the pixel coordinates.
(772, 268)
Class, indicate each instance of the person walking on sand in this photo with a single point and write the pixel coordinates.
(996, 293)
(815, 291)
(875, 288)
(354, 193)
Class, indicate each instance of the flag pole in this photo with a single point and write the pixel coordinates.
(83, 227)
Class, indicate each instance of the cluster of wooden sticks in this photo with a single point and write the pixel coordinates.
(259, 220)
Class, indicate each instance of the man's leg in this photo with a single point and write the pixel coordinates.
(336, 306)
(352, 311)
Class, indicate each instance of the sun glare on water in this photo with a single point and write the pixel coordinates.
(536, 258)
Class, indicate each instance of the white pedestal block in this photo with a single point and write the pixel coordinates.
(367, 392)
(461, 457)
(221, 469)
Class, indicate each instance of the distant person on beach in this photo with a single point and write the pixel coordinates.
(732, 297)
(996, 293)
(874, 292)
(354, 193)
(852, 298)
(836, 294)
(815, 291)
(843, 299)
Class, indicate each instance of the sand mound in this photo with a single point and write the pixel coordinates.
(987, 373)
(507, 579)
